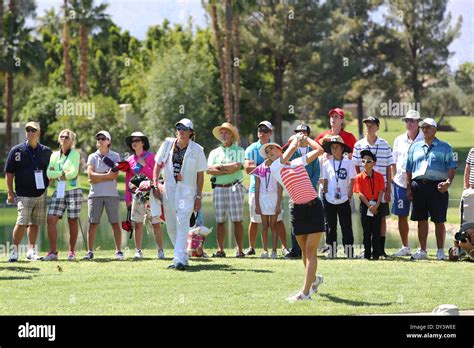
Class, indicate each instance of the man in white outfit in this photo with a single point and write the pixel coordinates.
(401, 203)
(184, 164)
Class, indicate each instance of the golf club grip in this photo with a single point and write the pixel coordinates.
(286, 145)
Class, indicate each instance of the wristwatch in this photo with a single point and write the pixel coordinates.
(198, 196)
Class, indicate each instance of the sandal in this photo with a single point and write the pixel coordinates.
(219, 254)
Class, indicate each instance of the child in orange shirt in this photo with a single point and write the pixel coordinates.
(369, 184)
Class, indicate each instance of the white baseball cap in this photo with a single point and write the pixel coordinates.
(429, 121)
(185, 122)
(266, 124)
(105, 133)
(412, 114)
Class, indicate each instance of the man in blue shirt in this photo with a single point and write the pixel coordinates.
(430, 171)
(27, 164)
(252, 160)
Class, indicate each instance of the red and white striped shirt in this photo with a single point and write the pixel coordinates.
(295, 179)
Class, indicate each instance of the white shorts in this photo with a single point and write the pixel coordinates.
(254, 217)
(467, 205)
(268, 202)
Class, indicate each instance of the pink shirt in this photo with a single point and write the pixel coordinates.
(146, 170)
(295, 179)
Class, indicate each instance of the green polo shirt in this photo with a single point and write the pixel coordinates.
(69, 164)
(226, 155)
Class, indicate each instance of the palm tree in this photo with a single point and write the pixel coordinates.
(227, 50)
(20, 51)
(220, 58)
(88, 18)
(66, 57)
(236, 47)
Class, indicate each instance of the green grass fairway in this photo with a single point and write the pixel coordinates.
(228, 286)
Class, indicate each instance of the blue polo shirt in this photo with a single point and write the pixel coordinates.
(251, 153)
(437, 159)
(22, 161)
(312, 168)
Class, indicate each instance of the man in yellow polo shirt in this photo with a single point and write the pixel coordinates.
(225, 165)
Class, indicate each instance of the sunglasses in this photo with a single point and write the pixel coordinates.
(101, 138)
(32, 130)
(300, 131)
(367, 161)
(410, 120)
(136, 140)
(65, 137)
(264, 130)
(182, 128)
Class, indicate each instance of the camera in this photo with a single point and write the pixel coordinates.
(462, 236)
(213, 182)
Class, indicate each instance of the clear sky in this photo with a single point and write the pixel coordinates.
(137, 15)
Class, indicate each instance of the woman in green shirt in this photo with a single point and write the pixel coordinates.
(63, 170)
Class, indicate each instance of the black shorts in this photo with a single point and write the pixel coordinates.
(384, 209)
(308, 218)
(428, 201)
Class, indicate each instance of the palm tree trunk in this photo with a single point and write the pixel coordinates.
(360, 115)
(227, 48)
(66, 57)
(1, 20)
(8, 102)
(8, 95)
(236, 66)
(83, 48)
(220, 59)
(278, 72)
(1, 48)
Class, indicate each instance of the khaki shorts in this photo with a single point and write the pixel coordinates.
(32, 210)
(140, 210)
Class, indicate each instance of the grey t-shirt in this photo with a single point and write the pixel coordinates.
(105, 188)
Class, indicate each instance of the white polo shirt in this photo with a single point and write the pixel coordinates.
(194, 161)
(400, 154)
(381, 149)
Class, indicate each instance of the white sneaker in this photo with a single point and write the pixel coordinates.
(138, 255)
(32, 255)
(317, 282)
(299, 296)
(440, 254)
(285, 252)
(324, 249)
(161, 254)
(274, 255)
(13, 256)
(119, 255)
(50, 257)
(264, 255)
(404, 251)
(419, 255)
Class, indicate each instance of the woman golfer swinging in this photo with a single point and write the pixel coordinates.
(307, 214)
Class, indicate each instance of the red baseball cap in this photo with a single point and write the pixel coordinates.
(338, 111)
